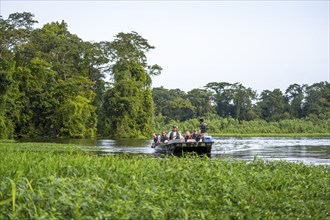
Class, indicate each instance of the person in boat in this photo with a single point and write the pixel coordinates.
(203, 128)
(174, 134)
(195, 134)
(188, 136)
(199, 136)
(155, 138)
(163, 137)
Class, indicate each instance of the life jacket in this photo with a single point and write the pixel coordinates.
(163, 138)
(187, 137)
(177, 135)
(204, 127)
(198, 138)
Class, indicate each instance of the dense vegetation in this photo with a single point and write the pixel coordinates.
(51, 181)
(234, 109)
(243, 104)
(232, 127)
(52, 83)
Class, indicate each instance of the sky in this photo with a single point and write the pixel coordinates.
(261, 44)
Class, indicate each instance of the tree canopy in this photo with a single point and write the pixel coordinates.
(52, 83)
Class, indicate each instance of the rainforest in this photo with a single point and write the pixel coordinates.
(54, 84)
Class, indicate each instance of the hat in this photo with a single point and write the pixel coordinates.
(174, 126)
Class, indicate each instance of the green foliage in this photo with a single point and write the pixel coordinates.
(238, 105)
(6, 128)
(44, 184)
(52, 83)
(222, 126)
(295, 96)
(128, 103)
(46, 81)
(233, 100)
(272, 105)
(201, 100)
(317, 99)
(173, 104)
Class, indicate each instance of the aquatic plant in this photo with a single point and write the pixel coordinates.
(58, 184)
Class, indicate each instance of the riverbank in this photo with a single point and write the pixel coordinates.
(229, 127)
(73, 184)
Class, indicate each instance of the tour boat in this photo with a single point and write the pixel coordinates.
(179, 146)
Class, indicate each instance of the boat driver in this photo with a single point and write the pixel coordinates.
(203, 128)
(174, 134)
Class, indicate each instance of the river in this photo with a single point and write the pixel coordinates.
(304, 149)
(307, 150)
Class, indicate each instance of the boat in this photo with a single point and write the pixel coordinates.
(180, 146)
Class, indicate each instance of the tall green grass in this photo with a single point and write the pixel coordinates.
(50, 184)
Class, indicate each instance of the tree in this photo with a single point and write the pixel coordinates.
(201, 100)
(295, 96)
(317, 101)
(173, 104)
(14, 32)
(45, 72)
(242, 99)
(222, 98)
(128, 102)
(272, 105)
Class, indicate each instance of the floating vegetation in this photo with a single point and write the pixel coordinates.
(47, 185)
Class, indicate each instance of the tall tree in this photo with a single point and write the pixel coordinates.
(201, 100)
(295, 96)
(173, 104)
(128, 102)
(14, 33)
(317, 101)
(242, 99)
(222, 98)
(47, 78)
(272, 105)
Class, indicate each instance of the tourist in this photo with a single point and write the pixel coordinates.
(174, 134)
(163, 137)
(188, 136)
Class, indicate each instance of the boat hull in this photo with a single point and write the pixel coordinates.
(184, 147)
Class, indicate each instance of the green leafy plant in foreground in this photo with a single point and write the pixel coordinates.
(75, 185)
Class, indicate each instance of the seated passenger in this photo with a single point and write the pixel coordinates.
(197, 135)
(155, 138)
(188, 136)
(174, 134)
(163, 137)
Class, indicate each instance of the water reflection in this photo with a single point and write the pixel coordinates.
(125, 146)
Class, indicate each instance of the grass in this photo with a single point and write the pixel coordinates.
(72, 184)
